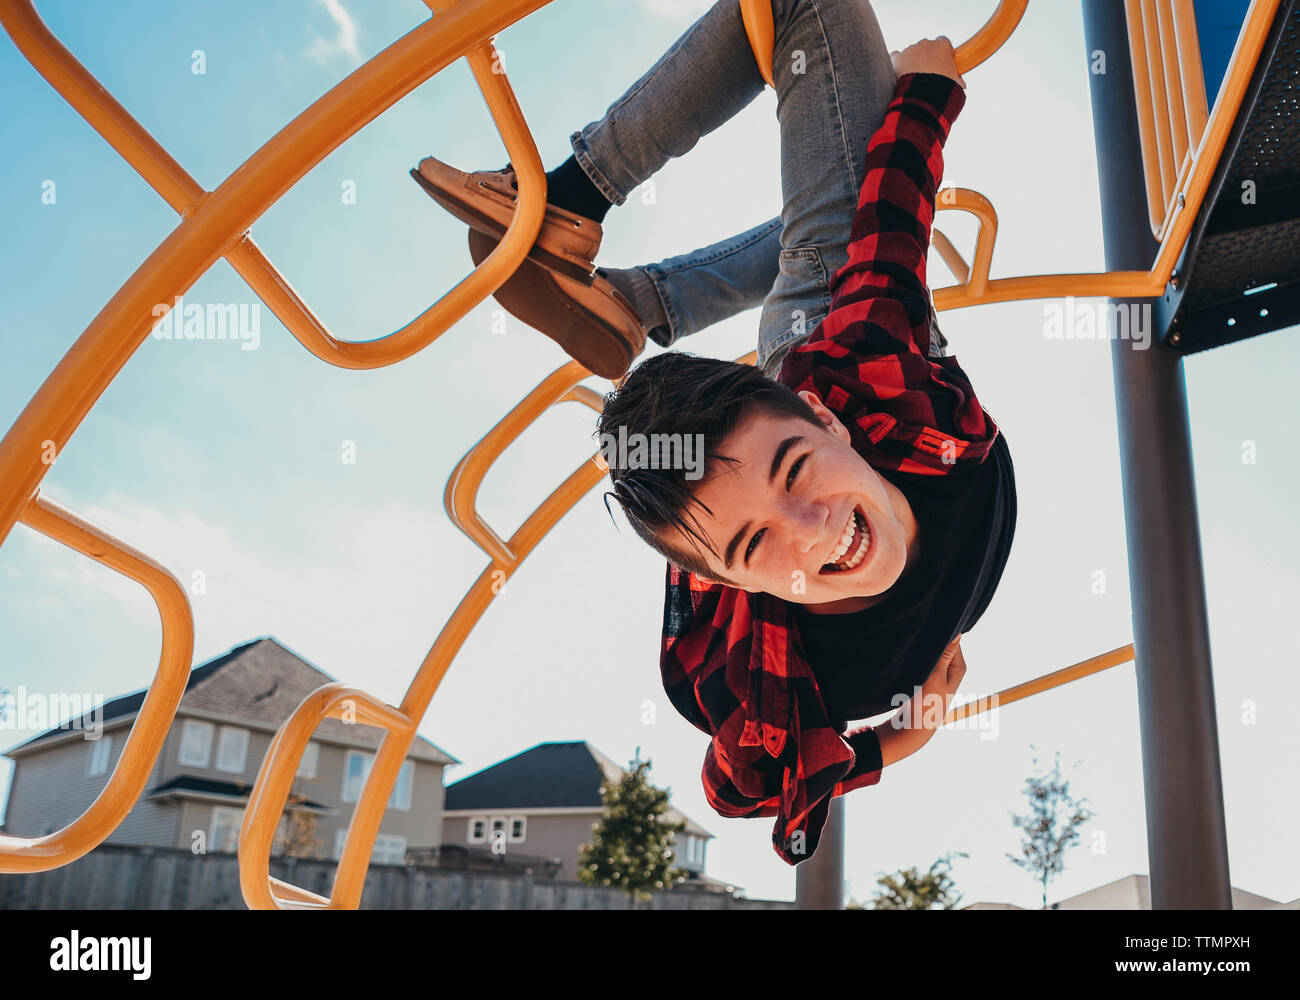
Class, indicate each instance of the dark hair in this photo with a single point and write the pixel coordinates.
(683, 394)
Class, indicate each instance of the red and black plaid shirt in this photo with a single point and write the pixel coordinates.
(729, 662)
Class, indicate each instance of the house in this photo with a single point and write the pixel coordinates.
(1133, 892)
(199, 786)
(546, 800)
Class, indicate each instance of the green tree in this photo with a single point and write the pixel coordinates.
(909, 889)
(298, 832)
(1051, 826)
(631, 847)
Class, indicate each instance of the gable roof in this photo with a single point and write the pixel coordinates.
(545, 776)
(190, 784)
(260, 681)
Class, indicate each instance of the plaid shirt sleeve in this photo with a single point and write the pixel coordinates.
(870, 359)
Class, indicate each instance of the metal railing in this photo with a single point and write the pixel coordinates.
(1169, 87)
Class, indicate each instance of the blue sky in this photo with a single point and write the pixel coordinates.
(228, 461)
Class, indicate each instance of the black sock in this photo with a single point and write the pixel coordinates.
(639, 289)
(569, 187)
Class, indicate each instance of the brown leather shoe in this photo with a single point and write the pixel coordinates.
(595, 324)
(486, 201)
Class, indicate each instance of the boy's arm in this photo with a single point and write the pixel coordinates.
(906, 731)
(869, 360)
(880, 303)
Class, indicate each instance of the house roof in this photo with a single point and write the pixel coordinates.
(259, 681)
(546, 776)
(193, 785)
(1134, 892)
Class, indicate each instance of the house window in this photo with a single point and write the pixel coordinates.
(223, 837)
(477, 829)
(401, 796)
(390, 849)
(232, 750)
(100, 750)
(196, 743)
(517, 826)
(498, 830)
(356, 770)
(310, 758)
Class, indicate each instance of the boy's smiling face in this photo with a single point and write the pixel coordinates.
(788, 516)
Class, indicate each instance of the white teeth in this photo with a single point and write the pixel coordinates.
(862, 553)
(846, 542)
(846, 539)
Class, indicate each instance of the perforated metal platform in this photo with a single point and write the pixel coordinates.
(1239, 275)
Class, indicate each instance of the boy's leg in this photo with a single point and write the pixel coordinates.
(834, 80)
(706, 77)
(687, 293)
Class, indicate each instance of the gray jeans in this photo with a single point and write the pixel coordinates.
(834, 80)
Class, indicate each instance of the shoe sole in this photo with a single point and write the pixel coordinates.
(468, 213)
(553, 306)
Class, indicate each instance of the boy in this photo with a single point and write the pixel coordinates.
(858, 504)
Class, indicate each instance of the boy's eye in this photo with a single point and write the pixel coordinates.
(789, 483)
(794, 472)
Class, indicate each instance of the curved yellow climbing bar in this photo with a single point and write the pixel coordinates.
(761, 32)
(135, 763)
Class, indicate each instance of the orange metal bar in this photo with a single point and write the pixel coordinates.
(761, 32)
(1188, 45)
(977, 205)
(274, 783)
(102, 817)
(1172, 69)
(1153, 66)
(461, 494)
(951, 256)
(276, 292)
(981, 45)
(1084, 668)
(1157, 196)
(977, 288)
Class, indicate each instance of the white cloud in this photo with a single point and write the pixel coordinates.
(372, 597)
(345, 42)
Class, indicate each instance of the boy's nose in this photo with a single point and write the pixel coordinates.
(808, 529)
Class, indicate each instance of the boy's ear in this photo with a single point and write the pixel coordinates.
(828, 418)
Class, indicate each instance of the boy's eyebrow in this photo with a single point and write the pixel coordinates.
(777, 460)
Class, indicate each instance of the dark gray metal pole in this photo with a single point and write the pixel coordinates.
(819, 881)
(1186, 834)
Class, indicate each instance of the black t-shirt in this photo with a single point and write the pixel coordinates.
(965, 524)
